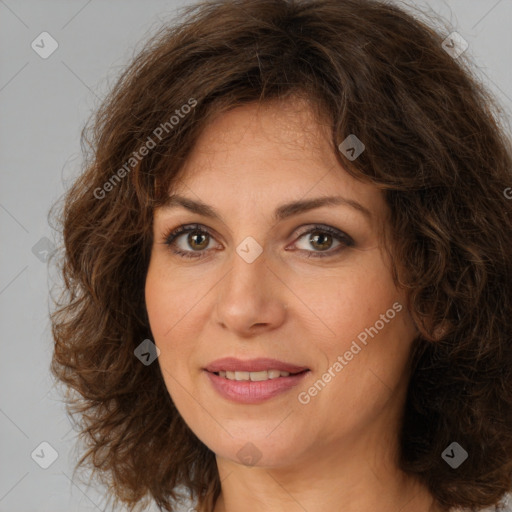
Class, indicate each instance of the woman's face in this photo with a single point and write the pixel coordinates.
(263, 286)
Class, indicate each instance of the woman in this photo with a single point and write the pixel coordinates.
(288, 268)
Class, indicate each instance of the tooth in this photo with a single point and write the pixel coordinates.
(257, 376)
(253, 376)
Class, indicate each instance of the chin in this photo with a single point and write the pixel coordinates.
(258, 449)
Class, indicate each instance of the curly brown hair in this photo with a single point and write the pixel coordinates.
(435, 145)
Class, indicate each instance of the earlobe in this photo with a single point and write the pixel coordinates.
(431, 331)
(441, 330)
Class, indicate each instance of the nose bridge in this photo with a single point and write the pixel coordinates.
(248, 271)
(249, 294)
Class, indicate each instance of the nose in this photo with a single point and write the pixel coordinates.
(251, 297)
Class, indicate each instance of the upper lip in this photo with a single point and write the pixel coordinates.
(232, 364)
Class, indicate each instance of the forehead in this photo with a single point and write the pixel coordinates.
(258, 156)
(287, 129)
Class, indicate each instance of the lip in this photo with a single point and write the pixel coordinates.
(232, 364)
(253, 392)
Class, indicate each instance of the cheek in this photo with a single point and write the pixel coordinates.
(157, 304)
(171, 304)
(347, 300)
(360, 317)
(162, 313)
(169, 298)
(360, 380)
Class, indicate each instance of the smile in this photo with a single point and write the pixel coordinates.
(253, 387)
(253, 376)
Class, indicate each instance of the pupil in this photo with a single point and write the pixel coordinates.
(193, 236)
(314, 239)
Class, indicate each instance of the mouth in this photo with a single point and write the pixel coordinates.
(256, 376)
(253, 381)
(247, 391)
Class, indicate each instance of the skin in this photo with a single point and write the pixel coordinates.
(341, 447)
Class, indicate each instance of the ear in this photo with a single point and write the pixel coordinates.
(441, 330)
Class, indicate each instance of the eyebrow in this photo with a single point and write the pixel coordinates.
(282, 212)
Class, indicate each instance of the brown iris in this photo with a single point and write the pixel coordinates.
(193, 236)
(316, 235)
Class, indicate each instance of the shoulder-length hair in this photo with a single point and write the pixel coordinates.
(435, 146)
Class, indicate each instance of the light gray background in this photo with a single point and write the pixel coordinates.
(44, 104)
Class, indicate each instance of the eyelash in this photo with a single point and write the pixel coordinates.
(171, 236)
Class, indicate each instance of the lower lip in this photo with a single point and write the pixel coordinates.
(253, 392)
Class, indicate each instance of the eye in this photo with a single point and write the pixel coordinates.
(199, 239)
(321, 237)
